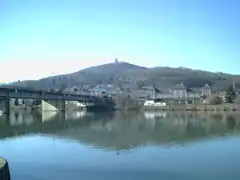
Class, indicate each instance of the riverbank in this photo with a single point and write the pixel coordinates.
(190, 107)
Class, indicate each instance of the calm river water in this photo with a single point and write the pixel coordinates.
(145, 145)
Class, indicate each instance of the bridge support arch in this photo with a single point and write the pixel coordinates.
(53, 105)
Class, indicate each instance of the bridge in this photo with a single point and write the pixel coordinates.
(52, 100)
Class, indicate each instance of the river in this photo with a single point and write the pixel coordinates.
(104, 146)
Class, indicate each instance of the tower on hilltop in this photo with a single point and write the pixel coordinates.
(116, 61)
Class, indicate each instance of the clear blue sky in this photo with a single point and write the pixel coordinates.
(41, 37)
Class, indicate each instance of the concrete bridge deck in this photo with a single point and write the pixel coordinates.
(21, 93)
(43, 95)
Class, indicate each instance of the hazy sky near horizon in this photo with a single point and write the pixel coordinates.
(39, 38)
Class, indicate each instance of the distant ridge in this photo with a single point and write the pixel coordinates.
(123, 72)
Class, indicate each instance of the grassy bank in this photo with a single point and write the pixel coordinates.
(200, 107)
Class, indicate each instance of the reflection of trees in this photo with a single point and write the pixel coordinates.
(124, 131)
(130, 129)
(231, 122)
(216, 116)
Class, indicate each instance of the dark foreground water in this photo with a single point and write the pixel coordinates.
(86, 146)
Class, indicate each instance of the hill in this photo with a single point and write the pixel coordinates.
(122, 72)
(113, 68)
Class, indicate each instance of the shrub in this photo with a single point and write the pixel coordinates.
(216, 100)
(237, 100)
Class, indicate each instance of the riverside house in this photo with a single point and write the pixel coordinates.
(206, 90)
(148, 92)
(179, 94)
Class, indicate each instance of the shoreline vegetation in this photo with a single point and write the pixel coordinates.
(176, 107)
(227, 101)
(127, 103)
(200, 107)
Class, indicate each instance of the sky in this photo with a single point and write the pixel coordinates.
(40, 38)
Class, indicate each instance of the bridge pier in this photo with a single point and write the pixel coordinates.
(5, 106)
(53, 105)
(75, 105)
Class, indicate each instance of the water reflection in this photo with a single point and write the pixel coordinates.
(121, 131)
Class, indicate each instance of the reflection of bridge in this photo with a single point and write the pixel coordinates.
(50, 100)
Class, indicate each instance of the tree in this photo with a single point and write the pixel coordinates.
(140, 84)
(99, 82)
(54, 83)
(75, 89)
(52, 90)
(125, 101)
(230, 94)
(62, 88)
(216, 100)
(111, 80)
(230, 88)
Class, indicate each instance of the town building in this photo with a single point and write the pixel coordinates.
(177, 94)
(103, 90)
(148, 92)
(206, 90)
(179, 91)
